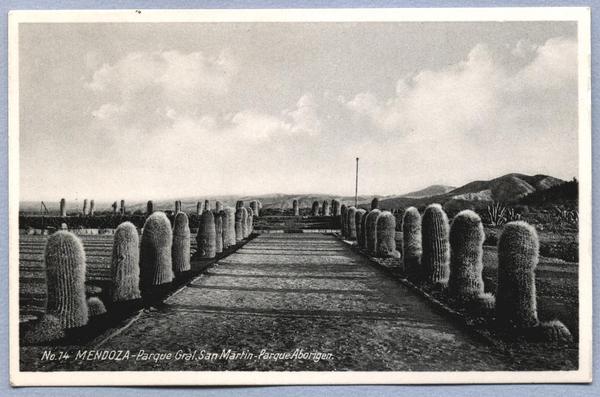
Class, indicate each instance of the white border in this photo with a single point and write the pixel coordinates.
(581, 15)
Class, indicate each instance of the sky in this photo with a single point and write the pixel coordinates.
(168, 110)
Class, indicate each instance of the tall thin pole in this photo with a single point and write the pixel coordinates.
(356, 186)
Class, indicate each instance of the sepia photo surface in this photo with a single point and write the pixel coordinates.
(300, 196)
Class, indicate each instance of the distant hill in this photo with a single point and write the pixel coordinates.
(429, 191)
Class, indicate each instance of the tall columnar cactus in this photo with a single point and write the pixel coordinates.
(219, 232)
(149, 207)
(315, 209)
(343, 221)
(181, 243)
(64, 259)
(229, 235)
(518, 249)
(435, 259)
(466, 257)
(254, 206)
(218, 206)
(244, 222)
(92, 207)
(206, 205)
(125, 265)
(386, 236)
(250, 221)
(63, 207)
(411, 242)
(156, 265)
(207, 236)
(122, 207)
(295, 207)
(371, 231)
(358, 221)
(335, 207)
(326, 211)
(199, 208)
(351, 223)
(84, 207)
(374, 203)
(239, 225)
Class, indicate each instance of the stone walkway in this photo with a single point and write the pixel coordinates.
(283, 292)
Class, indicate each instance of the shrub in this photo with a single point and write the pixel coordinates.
(371, 228)
(411, 242)
(206, 237)
(125, 265)
(351, 223)
(64, 259)
(358, 221)
(435, 258)
(156, 266)
(181, 243)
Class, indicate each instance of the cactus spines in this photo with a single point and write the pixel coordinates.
(219, 232)
(199, 208)
(177, 206)
(326, 208)
(466, 255)
(295, 207)
(156, 265)
(122, 207)
(149, 207)
(125, 265)
(254, 206)
(518, 249)
(315, 209)
(386, 236)
(374, 204)
(229, 235)
(239, 228)
(218, 206)
(244, 222)
(371, 230)
(91, 212)
(206, 205)
(85, 204)
(358, 221)
(335, 207)
(63, 207)
(95, 307)
(435, 259)
(181, 243)
(206, 237)
(351, 223)
(65, 267)
(411, 242)
(343, 221)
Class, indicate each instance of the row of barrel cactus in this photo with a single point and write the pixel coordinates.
(374, 231)
(140, 268)
(452, 257)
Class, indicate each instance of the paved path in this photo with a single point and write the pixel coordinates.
(300, 291)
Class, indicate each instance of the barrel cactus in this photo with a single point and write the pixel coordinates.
(254, 206)
(239, 225)
(435, 260)
(177, 206)
(358, 221)
(156, 265)
(46, 329)
(335, 207)
(411, 242)
(362, 243)
(181, 243)
(85, 204)
(218, 206)
(343, 221)
(315, 209)
(386, 236)
(125, 265)
(63, 207)
(244, 222)
(149, 207)
(229, 235)
(114, 208)
(374, 204)
(518, 249)
(250, 221)
(219, 232)
(239, 204)
(371, 231)
(295, 207)
(95, 307)
(351, 223)
(326, 211)
(92, 208)
(466, 257)
(64, 259)
(122, 207)
(199, 208)
(207, 236)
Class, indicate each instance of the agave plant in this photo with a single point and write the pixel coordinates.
(496, 214)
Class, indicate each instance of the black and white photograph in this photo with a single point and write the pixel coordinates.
(219, 197)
